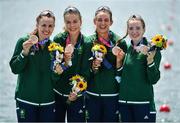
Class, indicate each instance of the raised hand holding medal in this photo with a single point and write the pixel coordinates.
(115, 50)
(69, 49)
(119, 53)
(28, 44)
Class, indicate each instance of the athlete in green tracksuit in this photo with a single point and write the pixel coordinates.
(136, 86)
(140, 71)
(103, 87)
(72, 36)
(102, 91)
(31, 60)
(34, 84)
(75, 111)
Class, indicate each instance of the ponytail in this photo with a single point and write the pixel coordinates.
(118, 42)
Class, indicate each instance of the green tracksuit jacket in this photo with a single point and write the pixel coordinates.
(34, 83)
(104, 82)
(138, 78)
(61, 82)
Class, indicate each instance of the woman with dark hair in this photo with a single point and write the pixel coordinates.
(139, 72)
(102, 91)
(34, 95)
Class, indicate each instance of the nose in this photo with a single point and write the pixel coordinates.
(47, 28)
(72, 25)
(134, 30)
(103, 22)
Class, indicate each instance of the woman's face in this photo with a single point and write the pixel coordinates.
(102, 22)
(72, 23)
(135, 30)
(45, 27)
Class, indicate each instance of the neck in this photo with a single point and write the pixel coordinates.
(135, 43)
(104, 35)
(40, 39)
(74, 38)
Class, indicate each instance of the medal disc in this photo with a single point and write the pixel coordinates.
(34, 39)
(115, 50)
(69, 48)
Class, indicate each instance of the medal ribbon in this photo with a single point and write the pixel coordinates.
(104, 41)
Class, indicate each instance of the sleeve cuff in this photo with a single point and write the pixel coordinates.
(152, 64)
(119, 69)
(21, 54)
(21, 57)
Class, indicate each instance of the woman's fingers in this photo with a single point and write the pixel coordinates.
(58, 69)
(96, 63)
(26, 47)
(72, 96)
(150, 57)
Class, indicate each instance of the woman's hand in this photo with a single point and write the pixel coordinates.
(68, 52)
(67, 58)
(150, 57)
(142, 49)
(58, 69)
(119, 57)
(72, 96)
(96, 64)
(26, 47)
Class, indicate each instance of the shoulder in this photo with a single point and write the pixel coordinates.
(23, 39)
(92, 37)
(87, 42)
(60, 36)
(87, 39)
(122, 44)
(115, 36)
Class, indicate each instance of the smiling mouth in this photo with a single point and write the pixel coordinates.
(104, 27)
(46, 33)
(135, 36)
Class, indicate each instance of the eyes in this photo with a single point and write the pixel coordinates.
(101, 20)
(74, 21)
(45, 25)
(135, 28)
(46, 22)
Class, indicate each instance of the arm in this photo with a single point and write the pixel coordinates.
(19, 59)
(121, 57)
(153, 62)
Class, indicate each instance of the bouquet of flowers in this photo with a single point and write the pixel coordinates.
(56, 52)
(158, 42)
(79, 85)
(98, 52)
